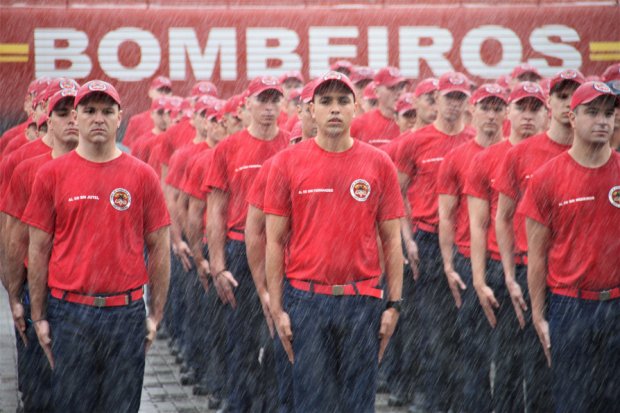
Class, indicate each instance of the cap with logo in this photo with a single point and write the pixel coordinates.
(370, 92)
(58, 96)
(361, 73)
(160, 103)
(405, 103)
(453, 82)
(340, 65)
(523, 69)
(427, 85)
(263, 83)
(204, 87)
(291, 74)
(96, 86)
(55, 85)
(161, 82)
(528, 90)
(589, 91)
(489, 90)
(611, 73)
(204, 102)
(333, 76)
(568, 75)
(389, 76)
(307, 91)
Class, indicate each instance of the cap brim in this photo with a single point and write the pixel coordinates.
(466, 92)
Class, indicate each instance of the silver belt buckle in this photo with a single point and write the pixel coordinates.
(604, 295)
(99, 302)
(337, 290)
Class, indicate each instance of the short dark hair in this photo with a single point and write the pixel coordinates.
(332, 85)
(98, 97)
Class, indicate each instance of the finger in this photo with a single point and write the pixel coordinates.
(288, 347)
(47, 349)
(547, 347)
(382, 346)
(522, 303)
(461, 283)
(22, 334)
(270, 326)
(488, 312)
(231, 279)
(494, 302)
(230, 296)
(456, 294)
(519, 314)
(416, 270)
(147, 345)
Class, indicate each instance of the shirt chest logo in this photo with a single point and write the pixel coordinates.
(360, 190)
(614, 196)
(120, 199)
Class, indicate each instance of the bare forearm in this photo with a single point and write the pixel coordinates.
(39, 251)
(505, 242)
(216, 231)
(158, 245)
(256, 247)
(195, 227)
(394, 268)
(15, 272)
(478, 229)
(446, 241)
(274, 264)
(538, 241)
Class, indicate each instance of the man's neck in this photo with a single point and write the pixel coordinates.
(449, 128)
(100, 153)
(334, 144)
(485, 140)
(560, 133)
(387, 112)
(47, 139)
(615, 139)
(264, 132)
(156, 131)
(60, 149)
(515, 138)
(590, 155)
(199, 138)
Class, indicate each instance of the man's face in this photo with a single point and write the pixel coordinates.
(426, 108)
(333, 110)
(526, 116)
(232, 123)
(559, 102)
(406, 120)
(594, 122)
(387, 96)
(157, 93)
(39, 111)
(98, 120)
(202, 124)
(265, 108)
(290, 84)
(218, 131)
(161, 119)
(488, 116)
(308, 125)
(28, 104)
(450, 106)
(61, 124)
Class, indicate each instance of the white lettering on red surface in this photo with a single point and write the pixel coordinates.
(576, 200)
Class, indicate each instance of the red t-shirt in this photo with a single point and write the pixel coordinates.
(334, 202)
(175, 137)
(139, 124)
(374, 128)
(180, 161)
(143, 145)
(290, 123)
(236, 161)
(516, 170)
(483, 172)
(18, 191)
(10, 134)
(10, 162)
(451, 181)
(99, 223)
(580, 206)
(197, 173)
(256, 195)
(419, 155)
(15, 143)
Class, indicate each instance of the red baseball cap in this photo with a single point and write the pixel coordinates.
(233, 104)
(204, 102)
(589, 91)
(308, 91)
(522, 69)
(58, 96)
(174, 103)
(39, 85)
(160, 103)
(405, 102)
(263, 83)
(187, 108)
(427, 85)
(42, 119)
(566, 75)
(611, 73)
(292, 74)
(333, 76)
(453, 82)
(528, 90)
(57, 84)
(341, 64)
(488, 90)
(502, 80)
(360, 73)
(95, 86)
(204, 87)
(294, 94)
(388, 77)
(296, 131)
(161, 82)
(369, 91)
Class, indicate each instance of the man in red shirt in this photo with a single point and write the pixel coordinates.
(418, 157)
(426, 105)
(573, 269)
(92, 325)
(405, 112)
(333, 192)
(488, 276)
(142, 123)
(236, 161)
(33, 369)
(142, 146)
(488, 113)
(19, 129)
(378, 126)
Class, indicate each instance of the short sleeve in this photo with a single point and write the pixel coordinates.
(447, 178)
(155, 211)
(476, 180)
(16, 197)
(507, 182)
(277, 200)
(175, 170)
(218, 172)
(404, 159)
(40, 211)
(391, 205)
(256, 195)
(537, 201)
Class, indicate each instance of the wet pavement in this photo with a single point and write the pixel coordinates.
(162, 391)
